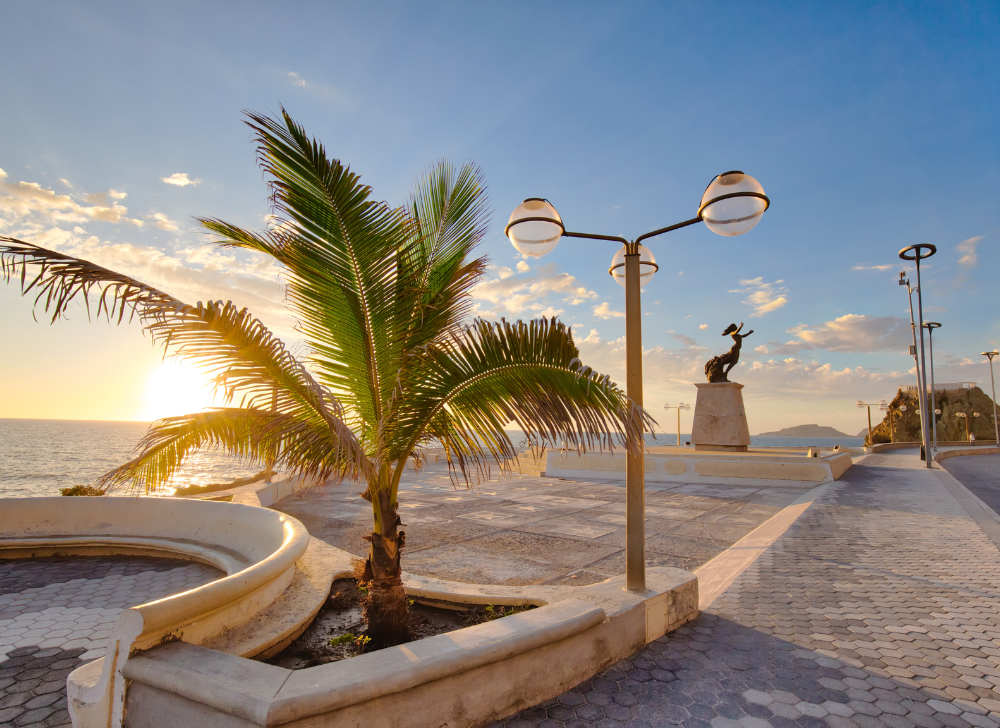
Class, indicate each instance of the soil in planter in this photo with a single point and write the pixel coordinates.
(337, 632)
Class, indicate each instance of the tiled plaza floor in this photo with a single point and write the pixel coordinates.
(57, 613)
(533, 530)
(879, 607)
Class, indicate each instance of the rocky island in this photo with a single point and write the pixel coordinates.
(806, 431)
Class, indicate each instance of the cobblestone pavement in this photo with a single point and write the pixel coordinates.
(534, 530)
(980, 474)
(879, 607)
(57, 613)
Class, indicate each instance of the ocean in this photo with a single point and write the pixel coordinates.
(38, 457)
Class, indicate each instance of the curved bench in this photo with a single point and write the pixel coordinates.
(256, 548)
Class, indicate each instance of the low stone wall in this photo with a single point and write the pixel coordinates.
(966, 451)
(687, 465)
(464, 678)
(258, 549)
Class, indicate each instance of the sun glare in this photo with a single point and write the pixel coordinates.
(176, 388)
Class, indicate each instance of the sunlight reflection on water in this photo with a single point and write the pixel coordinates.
(38, 457)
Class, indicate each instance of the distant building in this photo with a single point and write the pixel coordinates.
(939, 386)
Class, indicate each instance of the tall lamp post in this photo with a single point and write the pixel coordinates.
(732, 204)
(996, 427)
(916, 253)
(965, 418)
(930, 326)
(861, 405)
(679, 407)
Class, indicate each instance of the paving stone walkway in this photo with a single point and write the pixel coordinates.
(57, 613)
(534, 530)
(879, 607)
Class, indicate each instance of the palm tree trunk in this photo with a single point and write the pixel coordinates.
(386, 609)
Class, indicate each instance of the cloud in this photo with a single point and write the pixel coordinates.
(604, 311)
(687, 341)
(967, 248)
(854, 333)
(703, 326)
(163, 222)
(528, 291)
(873, 267)
(764, 297)
(296, 79)
(20, 200)
(180, 179)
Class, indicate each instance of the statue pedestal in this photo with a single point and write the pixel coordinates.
(720, 421)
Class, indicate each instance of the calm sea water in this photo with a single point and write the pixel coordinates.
(38, 457)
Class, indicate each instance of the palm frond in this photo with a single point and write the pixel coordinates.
(468, 387)
(340, 251)
(251, 436)
(227, 343)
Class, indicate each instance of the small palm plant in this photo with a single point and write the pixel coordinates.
(382, 299)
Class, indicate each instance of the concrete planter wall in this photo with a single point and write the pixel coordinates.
(464, 678)
(256, 548)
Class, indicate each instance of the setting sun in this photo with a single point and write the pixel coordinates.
(176, 388)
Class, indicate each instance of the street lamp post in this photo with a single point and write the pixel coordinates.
(679, 407)
(996, 427)
(861, 405)
(930, 326)
(965, 418)
(732, 204)
(916, 253)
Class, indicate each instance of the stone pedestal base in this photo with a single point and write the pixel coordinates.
(720, 421)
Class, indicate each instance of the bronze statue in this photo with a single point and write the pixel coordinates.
(718, 367)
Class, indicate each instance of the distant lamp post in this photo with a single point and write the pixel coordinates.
(965, 419)
(916, 253)
(678, 407)
(732, 204)
(996, 429)
(930, 326)
(861, 405)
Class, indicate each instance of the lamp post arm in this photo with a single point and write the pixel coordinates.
(612, 238)
(679, 225)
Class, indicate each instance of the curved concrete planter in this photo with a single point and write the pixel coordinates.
(464, 678)
(256, 548)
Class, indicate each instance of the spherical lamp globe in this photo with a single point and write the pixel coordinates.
(534, 227)
(647, 266)
(733, 204)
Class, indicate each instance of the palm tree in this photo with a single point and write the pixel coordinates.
(382, 299)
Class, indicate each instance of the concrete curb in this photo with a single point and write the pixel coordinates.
(716, 575)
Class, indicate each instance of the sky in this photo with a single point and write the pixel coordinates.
(871, 126)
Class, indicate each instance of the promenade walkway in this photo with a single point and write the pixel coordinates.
(879, 607)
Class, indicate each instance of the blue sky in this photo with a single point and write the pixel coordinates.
(870, 125)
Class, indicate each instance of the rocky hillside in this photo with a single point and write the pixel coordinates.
(949, 427)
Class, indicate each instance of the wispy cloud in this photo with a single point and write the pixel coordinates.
(162, 221)
(530, 291)
(296, 80)
(764, 297)
(604, 311)
(180, 179)
(873, 267)
(24, 199)
(967, 248)
(703, 326)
